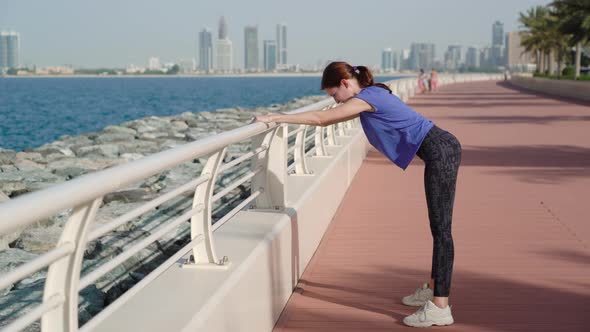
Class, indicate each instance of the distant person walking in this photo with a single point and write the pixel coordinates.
(400, 133)
(433, 80)
(423, 85)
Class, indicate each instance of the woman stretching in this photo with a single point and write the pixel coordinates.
(400, 133)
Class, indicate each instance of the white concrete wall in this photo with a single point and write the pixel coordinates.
(562, 88)
(268, 250)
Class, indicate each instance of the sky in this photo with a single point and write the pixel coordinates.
(116, 33)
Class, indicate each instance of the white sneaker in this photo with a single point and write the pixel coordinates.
(420, 296)
(430, 315)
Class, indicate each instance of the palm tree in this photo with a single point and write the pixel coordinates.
(533, 36)
(557, 41)
(574, 20)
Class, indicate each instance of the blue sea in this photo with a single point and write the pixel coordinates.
(35, 111)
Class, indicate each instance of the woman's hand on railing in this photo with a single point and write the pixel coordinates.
(266, 118)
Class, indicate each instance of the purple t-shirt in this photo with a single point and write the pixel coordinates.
(394, 128)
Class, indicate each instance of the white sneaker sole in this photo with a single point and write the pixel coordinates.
(442, 322)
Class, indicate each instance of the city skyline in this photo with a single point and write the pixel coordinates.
(156, 33)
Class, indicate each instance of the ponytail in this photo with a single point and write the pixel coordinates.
(365, 78)
(337, 71)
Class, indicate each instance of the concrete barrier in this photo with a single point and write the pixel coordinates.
(562, 88)
(268, 250)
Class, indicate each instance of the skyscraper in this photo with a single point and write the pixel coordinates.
(282, 44)
(224, 55)
(496, 58)
(270, 55)
(396, 61)
(472, 58)
(9, 50)
(421, 56)
(224, 48)
(453, 57)
(251, 48)
(404, 61)
(205, 50)
(222, 32)
(498, 33)
(387, 60)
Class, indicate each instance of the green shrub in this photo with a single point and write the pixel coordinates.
(568, 71)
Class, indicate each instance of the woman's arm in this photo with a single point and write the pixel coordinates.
(348, 110)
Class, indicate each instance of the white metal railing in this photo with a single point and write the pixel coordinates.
(267, 176)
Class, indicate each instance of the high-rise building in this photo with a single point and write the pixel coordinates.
(205, 50)
(472, 58)
(404, 59)
(485, 57)
(421, 56)
(387, 60)
(517, 59)
(396, 61)
(224, 48)
(270, 55)
(496, 56)
(9, 50)
(224, 55)
(453, 57)
(498, 33)
(222, 31)
(251, 48)
(281, 44)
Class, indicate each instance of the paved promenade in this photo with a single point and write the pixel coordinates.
(521, 225)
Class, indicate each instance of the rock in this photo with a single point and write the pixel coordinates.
(12, 258)
(138, 146)
(32, 156)
(38, 240)
(24, 298)
(55, 157)
(90, 164)
(28, 165)
(8, 168)
(148, 124)
(70, 172)
(207, 115)
(53, 149)
(13, 189)
(7, 156)
(66, 140)
(11, 177)
(129, 196)
(195, 135)
(105, 150)
(152, 136)
(115, 137)
(131, 156)
(155, 183)
(179, 125)
(6, 239)
(19, 301)
(90, 302)
(120, 130)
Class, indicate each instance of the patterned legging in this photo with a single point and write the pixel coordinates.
(441, 152)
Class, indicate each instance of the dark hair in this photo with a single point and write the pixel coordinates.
(337, 71)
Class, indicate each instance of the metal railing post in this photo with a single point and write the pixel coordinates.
(201, 223)
(272, 180)
(63, 275)
(320, 146)
(299, 153)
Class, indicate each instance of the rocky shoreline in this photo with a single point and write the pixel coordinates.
(73, 156)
